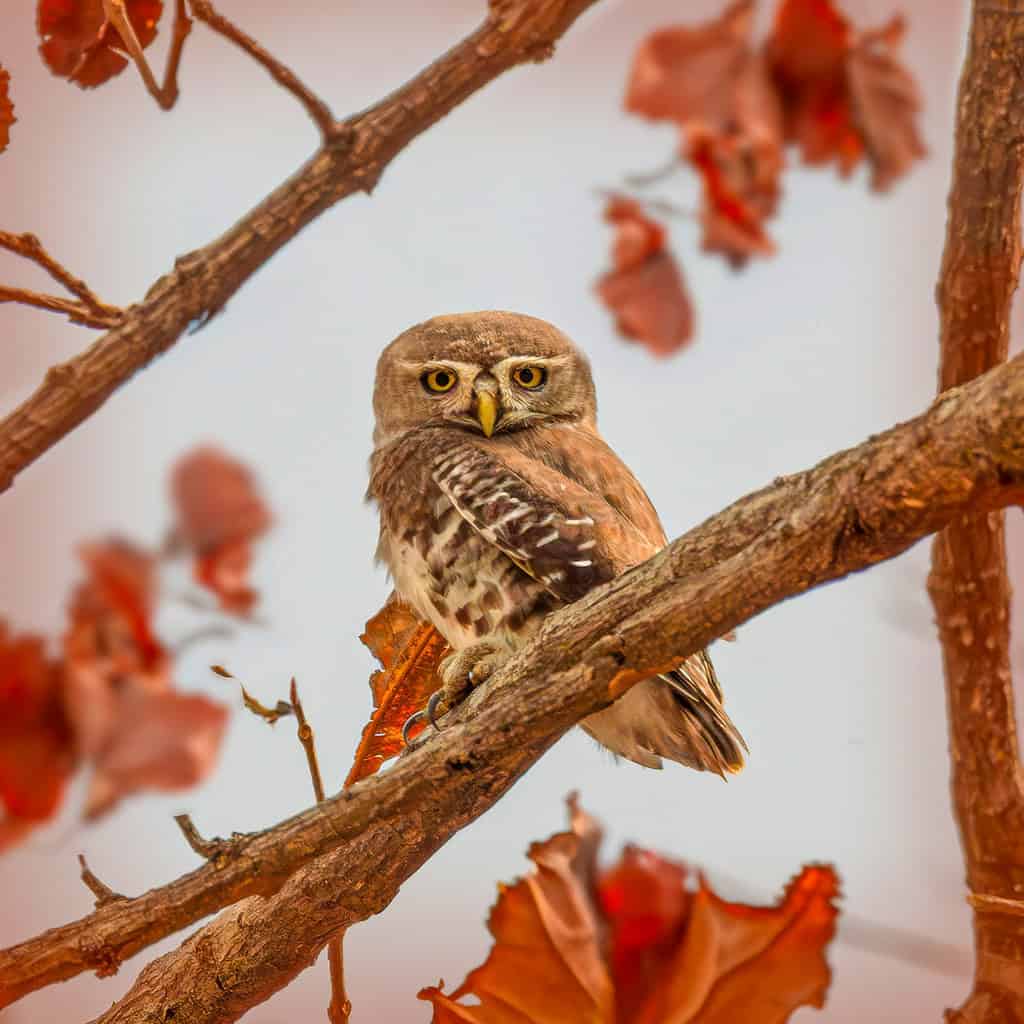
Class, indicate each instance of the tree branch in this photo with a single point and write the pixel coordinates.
(351, 160)
(854, 509)
(968, 582)
(85, 309)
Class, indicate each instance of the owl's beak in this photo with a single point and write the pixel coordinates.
(486, 411)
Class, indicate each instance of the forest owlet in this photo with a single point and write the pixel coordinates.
(499, 503)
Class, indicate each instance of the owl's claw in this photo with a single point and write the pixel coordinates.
(460, 672)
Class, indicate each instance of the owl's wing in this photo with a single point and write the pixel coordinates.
(553, 528)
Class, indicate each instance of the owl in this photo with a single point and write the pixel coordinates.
(500, 503)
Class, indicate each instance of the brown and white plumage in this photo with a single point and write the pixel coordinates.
(500, 502)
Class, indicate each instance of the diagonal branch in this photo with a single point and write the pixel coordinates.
(968, 583)
(351, 160)
(854, 509)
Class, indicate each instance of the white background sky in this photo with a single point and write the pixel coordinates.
(838, 693)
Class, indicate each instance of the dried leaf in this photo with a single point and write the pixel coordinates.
(78, 43)
(118, 694)
(224, 571)
(409, 651)
(546, 966)
(807, 53)
(36, 749)
(885, 102)
(639, 947)
(219, 512)
(740, 191)
(645, 290)
(110, 647)
(690, 74)
(7, 117)
(216, 501)
(167, 742)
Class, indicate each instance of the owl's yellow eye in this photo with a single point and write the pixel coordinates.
(530, 377)
(439, 381)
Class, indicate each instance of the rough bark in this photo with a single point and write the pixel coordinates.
(968, 583)
(351, 159)
(344, 860)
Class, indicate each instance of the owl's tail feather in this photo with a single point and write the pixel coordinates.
(678, 715)
(709, 735)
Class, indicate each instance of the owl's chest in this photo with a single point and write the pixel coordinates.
(455, 579)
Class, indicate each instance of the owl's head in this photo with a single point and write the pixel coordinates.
(490, 372)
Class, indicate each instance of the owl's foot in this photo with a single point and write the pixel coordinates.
(460, 671)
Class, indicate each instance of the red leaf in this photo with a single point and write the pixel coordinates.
(225, 572)
(645, 290)
(691, 74)
(7, 117)
(409, 652)
(644, 903)
(638, 948)
(885, 102)
(78, 42)
(216, 501)
(740, 190)
(219, 512)
(36, 755)
(809, 42)
(167, 742)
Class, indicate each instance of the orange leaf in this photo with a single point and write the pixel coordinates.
(645, 290)
(7, 117)
(80, 44)
(546, 966)
(638, 947)
(409, 651)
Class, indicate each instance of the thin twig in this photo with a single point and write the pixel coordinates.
(77, 312)
(317, 109)
(340, 1007)
(88, 310)
(166, 95)
(644, 179)
(308, 741)
(208, 849)
(103, 893)
(268, 714)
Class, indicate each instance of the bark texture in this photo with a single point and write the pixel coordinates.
(344, 860)
(968, 583)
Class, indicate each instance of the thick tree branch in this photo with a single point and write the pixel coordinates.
(968, 583)
(854, 509)
(351, 160)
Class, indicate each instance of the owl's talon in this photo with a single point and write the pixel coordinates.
(431, 712)
(417, 716)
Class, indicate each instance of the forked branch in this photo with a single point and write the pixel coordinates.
(85, 308)
(350, 160)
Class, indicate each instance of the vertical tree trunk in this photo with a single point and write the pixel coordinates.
(968, 583)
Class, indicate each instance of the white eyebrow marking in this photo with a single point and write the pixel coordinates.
(582, 563)
(552, 536)
(586, 545)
